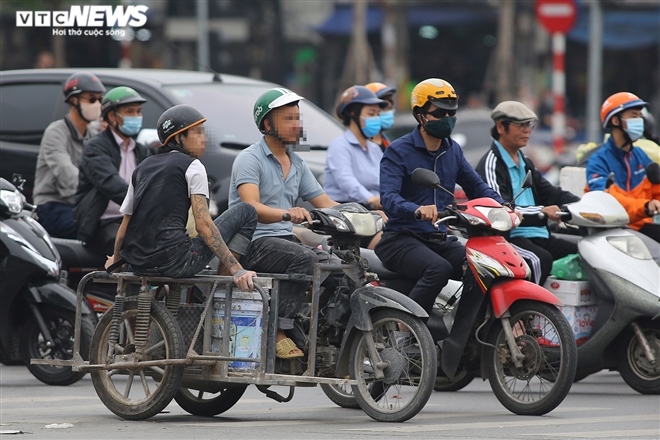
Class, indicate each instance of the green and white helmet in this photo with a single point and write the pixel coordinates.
(271, 99)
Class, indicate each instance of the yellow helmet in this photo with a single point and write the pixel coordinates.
(436, 91)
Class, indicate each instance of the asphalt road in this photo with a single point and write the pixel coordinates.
(599, 407)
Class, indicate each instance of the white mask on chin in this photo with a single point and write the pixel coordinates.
(90, 112)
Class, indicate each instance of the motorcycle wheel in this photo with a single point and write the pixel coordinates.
(411, 371)
(341, 395)
(632, 363)
(140, 393)
(461, 380)
(545, 378)
(204, 404)
(60, 324)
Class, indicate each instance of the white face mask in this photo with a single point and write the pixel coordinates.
(90, 112)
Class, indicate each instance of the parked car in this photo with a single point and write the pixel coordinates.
(32, 99)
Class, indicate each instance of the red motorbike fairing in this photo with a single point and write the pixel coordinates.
(493, 257)
(506, 292)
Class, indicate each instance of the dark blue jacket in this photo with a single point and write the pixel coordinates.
(629, 167)
(401, 198)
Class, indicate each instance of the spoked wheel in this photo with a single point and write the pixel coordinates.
(138, 393)
(60, 325)
(548, 369)
(405, 345)
(633, 364)
(205, 404)
(341, 395)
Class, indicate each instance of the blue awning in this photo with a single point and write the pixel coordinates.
(341, 21)
(621, 29)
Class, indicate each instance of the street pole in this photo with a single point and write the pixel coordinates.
(559, 91)
(505, 50)
(203, 53)
(595, 70)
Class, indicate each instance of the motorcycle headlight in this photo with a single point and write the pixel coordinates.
(473, 219)
(13, 200)
(339, 224)
(630, 245)
(499, 218)
(364, 223)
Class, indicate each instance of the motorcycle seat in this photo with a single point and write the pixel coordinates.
(376, 266)
(75, 254)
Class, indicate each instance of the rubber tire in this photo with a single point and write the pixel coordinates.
(344, 400)
(454, 385)
(30, 334)
(209, 407)
(429, 367)
(169, 383)
(625, 345)
(566, 375)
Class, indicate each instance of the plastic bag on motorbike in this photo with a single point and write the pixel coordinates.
(569, 268)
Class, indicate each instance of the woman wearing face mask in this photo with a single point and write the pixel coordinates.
(352, 164)
(621, 113)
(108, 162)
(385, 93)
(60, 153)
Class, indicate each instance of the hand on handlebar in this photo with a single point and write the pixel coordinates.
(297, 215)
(553, 212)
(427, 212)
(243, 279)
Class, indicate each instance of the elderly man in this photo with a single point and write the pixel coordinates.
(504, 168)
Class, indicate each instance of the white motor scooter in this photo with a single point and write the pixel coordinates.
(626, 282)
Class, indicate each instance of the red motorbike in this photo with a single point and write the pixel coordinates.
(500, 326)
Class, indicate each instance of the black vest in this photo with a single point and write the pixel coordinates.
(156, 235)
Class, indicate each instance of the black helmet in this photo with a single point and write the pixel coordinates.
(82, 82)
(176, 120)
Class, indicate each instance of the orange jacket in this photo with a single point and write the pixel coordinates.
(635, 199)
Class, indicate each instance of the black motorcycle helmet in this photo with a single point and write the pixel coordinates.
(82, 82)
(176, 120)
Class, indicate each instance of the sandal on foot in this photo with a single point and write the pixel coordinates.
(287, 349)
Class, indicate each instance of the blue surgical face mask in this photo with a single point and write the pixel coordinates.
(635, 128)
(386, 119)
(371, 126)
(131, 126)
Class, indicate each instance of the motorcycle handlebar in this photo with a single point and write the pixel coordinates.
(286, 217)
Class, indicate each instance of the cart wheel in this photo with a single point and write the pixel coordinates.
(139, 393)
(201, 403)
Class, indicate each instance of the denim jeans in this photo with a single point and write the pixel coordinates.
(284, 256)
(236, 226)
(57, 219)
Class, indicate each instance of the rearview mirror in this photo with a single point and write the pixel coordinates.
(653, 173)
(428, 179)
(425, 178)
(610, 180)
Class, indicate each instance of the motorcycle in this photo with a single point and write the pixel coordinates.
(354, 333)
(496, 324)
(37, 316)
(624, 279)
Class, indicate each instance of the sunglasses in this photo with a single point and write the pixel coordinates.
(90, 99)
(441, 113)
(524, 125)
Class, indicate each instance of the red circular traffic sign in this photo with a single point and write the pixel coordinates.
(556, 15)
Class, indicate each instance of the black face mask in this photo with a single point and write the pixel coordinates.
(440, 128)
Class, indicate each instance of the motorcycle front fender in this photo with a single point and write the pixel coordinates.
(50, 292)
(362, 301)
(504, 293)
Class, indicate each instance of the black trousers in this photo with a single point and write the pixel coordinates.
(541, 252)
(432, 263)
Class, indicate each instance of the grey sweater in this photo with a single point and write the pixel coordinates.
(60, 154)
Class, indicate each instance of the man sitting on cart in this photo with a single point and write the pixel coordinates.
(271, 177)
(152, 237)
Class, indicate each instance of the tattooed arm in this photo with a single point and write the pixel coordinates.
(119, 240)
(209, 232)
